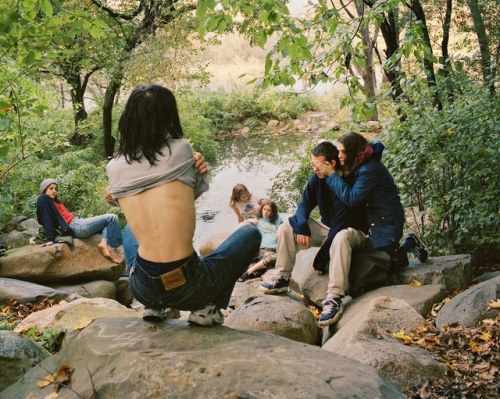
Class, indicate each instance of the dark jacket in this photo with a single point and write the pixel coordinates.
(50, 218)
(333, 212)
(373, 188)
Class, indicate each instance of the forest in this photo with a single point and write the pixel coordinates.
(426, 69)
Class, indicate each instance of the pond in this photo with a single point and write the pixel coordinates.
(253, 161)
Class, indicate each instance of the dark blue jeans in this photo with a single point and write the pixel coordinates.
(209, 280)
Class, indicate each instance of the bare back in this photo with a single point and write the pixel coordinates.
(162, 219)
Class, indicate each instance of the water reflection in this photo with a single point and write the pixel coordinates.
(253, 161)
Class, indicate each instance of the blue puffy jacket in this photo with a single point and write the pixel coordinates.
(373, 188)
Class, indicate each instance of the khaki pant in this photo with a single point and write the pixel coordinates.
(341, 254)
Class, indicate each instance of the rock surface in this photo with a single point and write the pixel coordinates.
(18, 354)
(25, 292)
(368, 338)
(128, 358)
(60, 264)
(278, 315)
(471, 306)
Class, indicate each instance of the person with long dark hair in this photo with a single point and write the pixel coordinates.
(155, 181)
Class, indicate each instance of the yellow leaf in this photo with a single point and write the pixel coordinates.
(415, 283)
(47, 381)
(82, 323)
(494, 304)
(402, 336)
(53, 395)
(485, 336)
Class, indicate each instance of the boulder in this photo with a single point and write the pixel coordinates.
(471, 306)
(419, 298)
(18, 354)
(123, 294)
(275, 314)
(213, 242)
(128, 358)
(92, 289)
(26, 292)
(368, 338)
(18, 231)
(59, 263)
(454, 271)
(75, 315)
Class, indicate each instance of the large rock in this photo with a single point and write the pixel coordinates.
(92, 289)
(128, 358)
(368, 338)
(26, 292)
(278, 315)
(18, 231)
(75, 315)
(419, 298)
(455, 272)
(60, 264)
(213, 242)
(471, 306)
(18, 354)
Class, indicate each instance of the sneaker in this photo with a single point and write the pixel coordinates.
(332, 310)
(154, 315)
(277, 285)
(208, 316)
(420, 248)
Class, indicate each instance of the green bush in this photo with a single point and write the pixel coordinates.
(446, 165)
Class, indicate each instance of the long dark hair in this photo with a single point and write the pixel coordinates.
(274, 210)
(149, 119)
(354, 145)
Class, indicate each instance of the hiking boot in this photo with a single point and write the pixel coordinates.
(277, 285)
(208, 316)
(420, 249)
(154, 315)
(332, 310)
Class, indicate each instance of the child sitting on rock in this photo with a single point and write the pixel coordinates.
(243, 203)
(268, 221)
(53, 215)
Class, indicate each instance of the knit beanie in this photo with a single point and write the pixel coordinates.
(46, 183)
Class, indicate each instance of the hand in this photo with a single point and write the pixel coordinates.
(305, 241)
(199, 163)
(327, 168)
(255, 222)
(108, 197)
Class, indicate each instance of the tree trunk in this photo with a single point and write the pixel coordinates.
(417, 9)
(444, 50)
(79, 111)
(107, 113)
(484, 48)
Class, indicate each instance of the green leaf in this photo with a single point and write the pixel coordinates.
(46, 7)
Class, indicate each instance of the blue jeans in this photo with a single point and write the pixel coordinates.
(107, 224)
(209, 280)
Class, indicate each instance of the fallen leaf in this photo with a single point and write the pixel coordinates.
(82, 323)
(494, 304)
(52, 395)
(47, 381)
(402, 336)
(415, 283)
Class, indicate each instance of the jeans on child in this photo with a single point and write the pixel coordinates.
(208, 280)
(107, 224)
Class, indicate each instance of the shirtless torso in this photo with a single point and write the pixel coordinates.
(163, 221)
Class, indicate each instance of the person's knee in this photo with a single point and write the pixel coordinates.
(284, 229)
(253, 234)
(346, 236)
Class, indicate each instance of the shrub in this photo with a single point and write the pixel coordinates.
(446, 165)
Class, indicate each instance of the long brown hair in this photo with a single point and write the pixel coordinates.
(274, 210)
(237, 191)
(354, 145)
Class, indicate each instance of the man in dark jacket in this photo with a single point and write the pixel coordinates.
(372, 187)
(300, 231)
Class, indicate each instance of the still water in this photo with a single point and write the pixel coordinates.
(253, 161)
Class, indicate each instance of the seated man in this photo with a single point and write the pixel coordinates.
(300, 231)
(155, 182)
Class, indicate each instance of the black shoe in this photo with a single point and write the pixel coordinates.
(332, 310)
(277, 285)
(256, 274)
(420, 248)
(153, 315)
